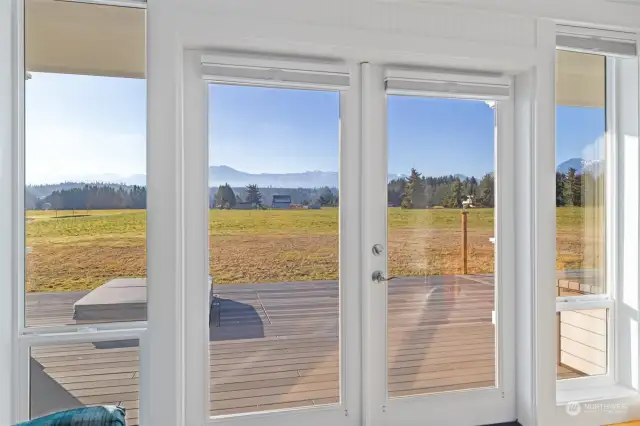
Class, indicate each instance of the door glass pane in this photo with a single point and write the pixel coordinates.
(441, 334)
(67, 376)
(85, 143)
(582, 343)
(273, 182)
(581, 157)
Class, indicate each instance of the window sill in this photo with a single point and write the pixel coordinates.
(594, 393)
(596, 406)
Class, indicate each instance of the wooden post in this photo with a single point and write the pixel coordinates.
(464, 241)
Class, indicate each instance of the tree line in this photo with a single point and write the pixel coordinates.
(575, 189)
(418, 192)
(99, 196)
(95, 197)
(413, 192)
(227, 197)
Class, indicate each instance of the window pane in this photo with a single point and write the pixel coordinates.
(76, 375)
(85, 194)
(273, 248)
(582, 343)
(441, 188)
(581, 157)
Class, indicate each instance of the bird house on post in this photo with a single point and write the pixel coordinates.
(468, 203)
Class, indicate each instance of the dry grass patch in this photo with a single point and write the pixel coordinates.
(253, 246)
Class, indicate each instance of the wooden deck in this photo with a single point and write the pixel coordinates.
(276, 346)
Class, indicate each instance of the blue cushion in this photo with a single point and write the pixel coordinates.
(85, 416)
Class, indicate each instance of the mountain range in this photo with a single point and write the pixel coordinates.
(219, 175)
(581, 166)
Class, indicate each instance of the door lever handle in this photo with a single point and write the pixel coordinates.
(379, 278)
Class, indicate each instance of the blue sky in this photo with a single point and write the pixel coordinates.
(92, 128)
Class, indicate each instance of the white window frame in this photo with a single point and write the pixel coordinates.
(265, 71)
(607, 299)
(618, 205)
(24, 337)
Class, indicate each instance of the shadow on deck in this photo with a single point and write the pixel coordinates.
(276, 346)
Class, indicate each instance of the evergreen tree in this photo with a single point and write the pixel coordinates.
(326, 197)
(472, 189)
(573, 188)
(560, 182)
(253, 195)
(486, 196)
(395, 192)
(576, 191)
(567, 186)
(414, 191)
(455, 197)
(225, 198)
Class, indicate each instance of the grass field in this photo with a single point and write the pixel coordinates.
(82, 250)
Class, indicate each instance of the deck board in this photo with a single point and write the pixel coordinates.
(276, 345)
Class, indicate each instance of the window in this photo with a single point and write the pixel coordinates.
(582, 343)
(85, 183)
(596, 135)
(274, 248)
(441, 239)
(82, 286)
(583, 168)
(66, 376)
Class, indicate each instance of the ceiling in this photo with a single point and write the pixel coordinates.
(79, 38)
(580, 79)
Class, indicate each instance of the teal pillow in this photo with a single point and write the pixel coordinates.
(86, 416)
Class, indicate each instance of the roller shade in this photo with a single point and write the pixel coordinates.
(467, 86)
(275, 76)
(596, 41)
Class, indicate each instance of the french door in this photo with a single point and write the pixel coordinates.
(300, 321)
(437, 241)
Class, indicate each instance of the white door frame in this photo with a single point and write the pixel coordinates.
(196, 154)
(470, 407)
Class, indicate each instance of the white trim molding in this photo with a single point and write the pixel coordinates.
(596, 41)
(287, 73)
(461, 84)
(286, 77)
(8, 33)
(165, 221)
(626, 91)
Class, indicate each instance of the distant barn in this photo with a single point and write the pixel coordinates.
(281, 202)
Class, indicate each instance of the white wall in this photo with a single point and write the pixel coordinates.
(6, 295)
(403, 28)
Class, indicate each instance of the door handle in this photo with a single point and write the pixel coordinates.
(379, 278)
